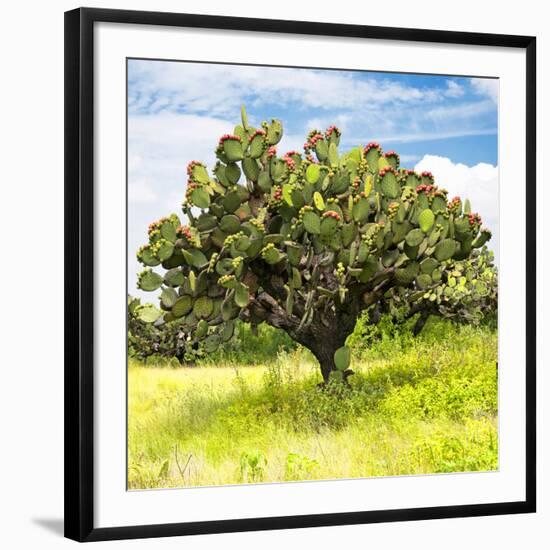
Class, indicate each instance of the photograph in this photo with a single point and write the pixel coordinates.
(312, 274)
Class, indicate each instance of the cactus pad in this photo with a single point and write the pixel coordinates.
(390, 187)
(194, 257)
(257, 146)
(148, 258)
(251, 169)
(426, 220)
(361, 210)
(149, 281)
(318, 201)
(445, 250)
(148, 313)
(428, 265)
(202, 308)
(423, 280)
(414, 237)
(230, 224)
(241, 295)
(182, 306)
(168, 297)
(342, 358)
(313, 172)
(328, 226)
(168, 231)
(211, 343)
(174, 277)
(200, 198)
(312, 223)
(294, 253)
(232, 148)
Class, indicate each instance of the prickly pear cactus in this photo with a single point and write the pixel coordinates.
(467, 293)
(304, 241)
(147, 339)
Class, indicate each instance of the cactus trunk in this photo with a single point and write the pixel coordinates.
(324, 351)
(323, 341)
(421, 322)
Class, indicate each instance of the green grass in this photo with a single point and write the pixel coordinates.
(415, 406)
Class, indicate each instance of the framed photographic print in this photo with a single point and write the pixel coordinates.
(300, 274)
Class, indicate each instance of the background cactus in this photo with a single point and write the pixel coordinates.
(306, 242)
(467, 294)
(169, 340)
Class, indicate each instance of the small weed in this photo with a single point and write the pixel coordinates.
(252, 466)
(299, 467)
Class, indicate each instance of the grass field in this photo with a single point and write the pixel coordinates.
(415, 406)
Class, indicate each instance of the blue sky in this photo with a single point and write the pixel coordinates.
(177, 111)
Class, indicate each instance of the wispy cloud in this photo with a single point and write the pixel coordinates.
(429, 136)
(460, 112)
(157, 86)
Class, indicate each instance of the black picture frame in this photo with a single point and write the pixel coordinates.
(79, 273)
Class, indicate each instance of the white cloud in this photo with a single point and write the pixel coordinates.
(478, 183)
(488, 87)
(454, 89)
